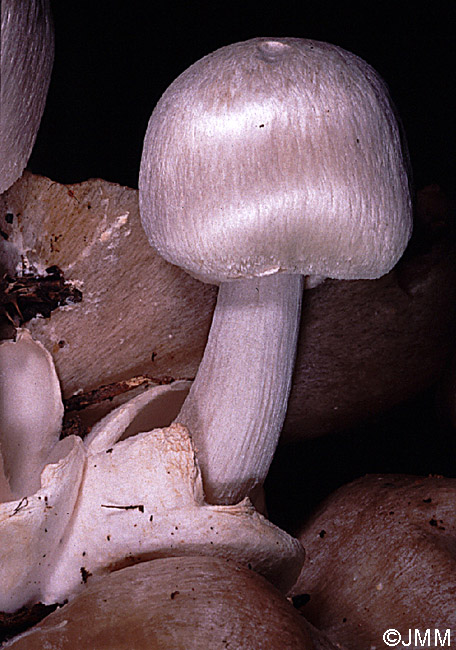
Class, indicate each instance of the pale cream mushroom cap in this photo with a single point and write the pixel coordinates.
(122, 496)
(31, 527)
(31, 411)
(142, 498)
(40, 483)
(275, 155)
(26, 57)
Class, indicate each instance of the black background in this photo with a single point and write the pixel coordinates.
(113, 61)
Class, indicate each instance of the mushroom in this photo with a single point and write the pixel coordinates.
(31, 412)
(92, 232)
(42, 475)
(171, 603)
(41, 478)
(121, 496)
(381, 555)
(27, 54)
(266, 161)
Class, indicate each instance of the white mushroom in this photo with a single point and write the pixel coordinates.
(36, 501)
(266, 161)
(108, 501)
(31, 412)
(26, 57)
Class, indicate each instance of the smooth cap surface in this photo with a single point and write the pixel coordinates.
(174, 604)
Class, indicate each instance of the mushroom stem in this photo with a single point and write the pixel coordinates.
(238, 401)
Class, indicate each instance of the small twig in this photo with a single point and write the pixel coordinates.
(139, 507)
(23, 503)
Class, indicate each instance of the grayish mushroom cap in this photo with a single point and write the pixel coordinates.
(265, 161)
(26, 57)
(276, 155)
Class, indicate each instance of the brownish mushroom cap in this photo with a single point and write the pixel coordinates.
(381, 554)
(158, 316)
(176, 604)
